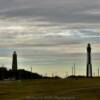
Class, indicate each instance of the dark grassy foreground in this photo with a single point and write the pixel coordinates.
(80, 89)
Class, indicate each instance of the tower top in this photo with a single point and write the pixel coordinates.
(14, 52)
(89, 45)
(14, 61)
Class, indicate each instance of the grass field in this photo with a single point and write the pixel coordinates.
(81, 89)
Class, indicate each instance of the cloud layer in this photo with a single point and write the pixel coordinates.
(50, 28)
(48, 22)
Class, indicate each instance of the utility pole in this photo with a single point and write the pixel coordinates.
(31, 69)
(66, 74)
(74, 70)
(31, 73)
(98, 72)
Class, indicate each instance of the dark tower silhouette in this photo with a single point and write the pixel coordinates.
(14, 61)
(89, 64)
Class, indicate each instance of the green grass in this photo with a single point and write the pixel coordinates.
(81, 89)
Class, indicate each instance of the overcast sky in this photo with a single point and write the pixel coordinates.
(50, 35)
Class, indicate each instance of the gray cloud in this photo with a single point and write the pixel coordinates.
(55, 10)
(49, 22)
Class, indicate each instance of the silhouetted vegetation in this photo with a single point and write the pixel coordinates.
(75, 77)
(21, 74)
(3, 73)
(18, 74)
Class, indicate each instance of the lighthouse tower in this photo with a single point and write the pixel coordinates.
(14, 61)
(89, 64)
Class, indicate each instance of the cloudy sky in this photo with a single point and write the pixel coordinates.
(50, 35)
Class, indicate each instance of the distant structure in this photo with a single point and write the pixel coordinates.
(14, 61)
(89, 64)
(74, 70)
(98, 72)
